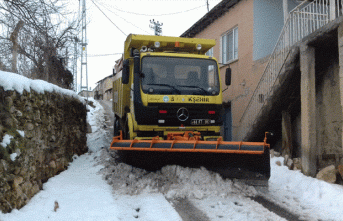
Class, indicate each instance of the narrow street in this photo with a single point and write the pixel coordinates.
(109, 116)
(226, 110)
(98, 186)
(212, 200)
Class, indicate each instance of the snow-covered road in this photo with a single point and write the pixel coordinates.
(98, 187)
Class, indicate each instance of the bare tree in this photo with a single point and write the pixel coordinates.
(39, 31)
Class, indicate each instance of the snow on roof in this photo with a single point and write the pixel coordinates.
(19, 83)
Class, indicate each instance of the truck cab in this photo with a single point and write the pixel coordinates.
(167, 84)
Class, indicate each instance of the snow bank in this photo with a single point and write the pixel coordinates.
(173, 181)
(306, 195)
(99, 138)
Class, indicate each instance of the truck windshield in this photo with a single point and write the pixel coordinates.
(172, 75)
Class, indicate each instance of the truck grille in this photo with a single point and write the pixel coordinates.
(183, 114)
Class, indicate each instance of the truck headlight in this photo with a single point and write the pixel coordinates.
(198, 47)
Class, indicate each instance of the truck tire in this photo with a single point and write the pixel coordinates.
(128, 130)
(126, 133)
(116, 127)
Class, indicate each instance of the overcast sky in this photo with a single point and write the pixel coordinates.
(107, 35)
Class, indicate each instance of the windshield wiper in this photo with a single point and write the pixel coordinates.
(167, 85)
(197, 87)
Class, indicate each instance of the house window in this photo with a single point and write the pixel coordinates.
(210, 52)
(230, 45)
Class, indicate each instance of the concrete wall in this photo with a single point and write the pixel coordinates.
(329, 113)
(47, 130)
(317, 127)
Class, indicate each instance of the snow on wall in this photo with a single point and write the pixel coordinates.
(19, 83)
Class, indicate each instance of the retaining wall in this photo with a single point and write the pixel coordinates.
(39, 134)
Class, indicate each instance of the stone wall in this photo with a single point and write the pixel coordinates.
(39, 134)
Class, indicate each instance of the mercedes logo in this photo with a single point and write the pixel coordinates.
(182, 114)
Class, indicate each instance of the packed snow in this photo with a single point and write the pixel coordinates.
(98, 186)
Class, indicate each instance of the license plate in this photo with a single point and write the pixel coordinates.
(200, 121)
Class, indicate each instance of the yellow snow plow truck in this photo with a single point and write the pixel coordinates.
(167, 101)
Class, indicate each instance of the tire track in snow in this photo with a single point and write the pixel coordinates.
(178, 187)
(271, 206)
(187, 210)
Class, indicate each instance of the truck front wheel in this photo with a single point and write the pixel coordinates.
(126, 132)
(116, 127)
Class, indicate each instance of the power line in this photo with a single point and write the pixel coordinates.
(101, 55)
(108, 18)
(173, 13)
(123, 18)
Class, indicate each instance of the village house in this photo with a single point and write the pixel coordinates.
(103, 89)
(86, 93)
(286, 58)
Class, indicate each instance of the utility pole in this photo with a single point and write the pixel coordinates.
(208, 6)
(76, 42)
(84, 70)
(156, 26)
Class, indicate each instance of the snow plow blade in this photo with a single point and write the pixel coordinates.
(248, 161)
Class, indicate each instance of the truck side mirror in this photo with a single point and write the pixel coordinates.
(125, 72)
(228, 76)
(114, 72)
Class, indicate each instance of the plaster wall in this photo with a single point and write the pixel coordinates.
(268, 23)
(244, 80)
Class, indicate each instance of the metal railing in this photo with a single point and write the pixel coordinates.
(303, 20)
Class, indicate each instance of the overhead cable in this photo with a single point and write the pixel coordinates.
(101, 55)
(108, 18)
(123, 18)
(173, 13)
